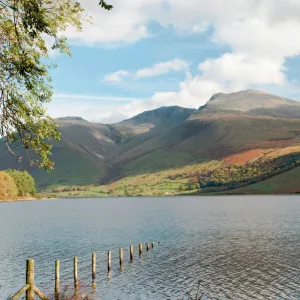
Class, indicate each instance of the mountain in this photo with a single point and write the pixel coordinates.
(228, 127)
(166, 116)
(253, 102)
(87, 151)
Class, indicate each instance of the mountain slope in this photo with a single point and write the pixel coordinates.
(87, 150)
(285, 183)
(168, 138)
(209, 137)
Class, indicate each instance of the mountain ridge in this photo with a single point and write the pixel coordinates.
(167, 137)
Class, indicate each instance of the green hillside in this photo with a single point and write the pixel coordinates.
(222, 179)
(229, 127)
(285, 183)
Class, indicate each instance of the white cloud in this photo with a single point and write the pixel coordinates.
(193, 92)
(94, 97)
(243, 69)
(116, 76)
(256, 37)
(249, 25)
(94, 112)
(95, 108)
(175, 65)
(260, 33)
(163, 68)
(127, 22)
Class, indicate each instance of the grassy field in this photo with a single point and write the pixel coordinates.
(148, 184)
(168, 182)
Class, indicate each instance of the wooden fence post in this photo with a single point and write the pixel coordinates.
(30, 279)
(141, 249)
(121, 257)
(131, 253)
(109, 261)
(75, 271)
(153, 244)
(147, 246)
(57, 279)
(94, 269)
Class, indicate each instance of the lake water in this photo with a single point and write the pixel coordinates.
(224, 247)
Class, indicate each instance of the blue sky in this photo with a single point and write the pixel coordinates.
(164, 52)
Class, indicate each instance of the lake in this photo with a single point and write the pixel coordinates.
(237, 247)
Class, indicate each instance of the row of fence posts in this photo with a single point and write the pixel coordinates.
(31, 289)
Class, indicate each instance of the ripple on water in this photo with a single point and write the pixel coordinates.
(223, 248)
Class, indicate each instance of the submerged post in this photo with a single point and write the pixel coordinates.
(131, 253)
(121, 257)
(57, 279)
(141, 249)
(30, 279)
(94, 269)
(147, 246)
(109, 261)
(75, 271)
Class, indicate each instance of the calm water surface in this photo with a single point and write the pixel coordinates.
(231, 247)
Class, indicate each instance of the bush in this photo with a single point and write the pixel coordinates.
(24, 182)
(197, 185)
(8, 188)
(181, 188)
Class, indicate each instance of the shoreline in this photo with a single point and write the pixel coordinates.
(23, 199)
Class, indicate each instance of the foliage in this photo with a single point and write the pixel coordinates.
(104, 5)
(72, 188)
(181, 188)
(8, 188)
(24, 182)
(194, 186)
(26, 29)
(237, 175)
(286, 182)
(150, 184)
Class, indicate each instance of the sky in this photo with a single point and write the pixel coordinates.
(145, 54)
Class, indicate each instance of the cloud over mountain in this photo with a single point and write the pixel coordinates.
(260, 35)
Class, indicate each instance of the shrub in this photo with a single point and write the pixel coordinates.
(24, 182)
(8, 188)
(197, 185)
(181, 188)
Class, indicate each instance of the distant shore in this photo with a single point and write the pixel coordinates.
(20, 199)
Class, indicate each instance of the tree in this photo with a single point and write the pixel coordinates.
(182, 188)
(25, 26)
(8, 189)
(24, 182)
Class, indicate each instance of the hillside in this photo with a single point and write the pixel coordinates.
(286, 183)
(229, 127)
(281, 168)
